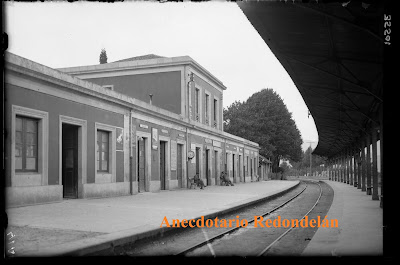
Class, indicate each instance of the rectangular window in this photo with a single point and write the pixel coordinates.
(226, 163)
(207, 107)
(251, 166)
(103, 157)
(196, 102)
(215, 112)
(26, 144)
(215, 109)
(247, 165)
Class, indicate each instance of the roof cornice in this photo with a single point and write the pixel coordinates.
(141, 64)
(125, 65)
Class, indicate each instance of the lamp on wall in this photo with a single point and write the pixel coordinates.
(151, 99)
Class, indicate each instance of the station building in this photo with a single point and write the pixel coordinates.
(142, 124)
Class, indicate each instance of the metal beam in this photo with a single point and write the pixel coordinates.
(357, 109)
(334, 75)
(340, 19)
(360, 111)
(331, 88)
(344, 121)
(333, 100)
(342, 58)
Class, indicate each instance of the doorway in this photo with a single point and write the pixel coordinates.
(208, 167)
(70, 161)
(216, 167)
(240, 168)
(251, 168)
(179, 165)
(233, 168)
(226, 164)
(141, 164)
(162, 164)
(198, 161)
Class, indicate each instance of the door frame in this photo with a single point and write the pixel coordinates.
(193, 147)
(240, 167)
(182, 161)
(138, 140)
(207, 165)
(165, 139)
(147, 148)
(198, 155)
(163, 167)
(82, 151)
(70, 175)
(216, 166)
(234, 167)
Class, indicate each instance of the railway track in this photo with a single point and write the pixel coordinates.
(237, 228)
(290, 228)
(241, 241)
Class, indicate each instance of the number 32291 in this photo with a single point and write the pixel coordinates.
(387, 25)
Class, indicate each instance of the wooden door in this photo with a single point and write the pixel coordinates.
(251, 168)
(226, 164)
(198, 161)
(70, 161)
(179, 165)
(216, 167)
(162, 164)
(240, 168)
(233, 168)
(142, 165)
(207, 167)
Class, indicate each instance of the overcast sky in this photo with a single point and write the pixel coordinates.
(215, 34)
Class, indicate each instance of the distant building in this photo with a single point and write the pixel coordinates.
(265, 168)
(116, 129)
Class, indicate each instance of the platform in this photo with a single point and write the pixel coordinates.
(82, 226)
(360, 225)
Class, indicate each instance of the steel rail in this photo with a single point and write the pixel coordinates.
(209, 240)
(287, 231)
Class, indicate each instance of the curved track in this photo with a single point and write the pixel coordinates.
(253, 241)
(287, 231)
(237, 228)
(250, 240)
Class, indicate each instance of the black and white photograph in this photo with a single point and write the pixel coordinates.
(195, 129)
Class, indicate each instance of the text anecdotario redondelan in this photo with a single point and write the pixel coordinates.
(259, 221)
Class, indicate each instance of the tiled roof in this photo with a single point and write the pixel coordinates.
(142, 57)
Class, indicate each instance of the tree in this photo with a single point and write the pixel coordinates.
(103, 56)
(264, 119)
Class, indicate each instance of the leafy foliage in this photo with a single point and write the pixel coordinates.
(264, 119)
(103, 56)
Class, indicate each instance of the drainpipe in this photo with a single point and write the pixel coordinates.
(244, 161)
(225, 159)
(188, 146)
(130, 153)
(186, 156)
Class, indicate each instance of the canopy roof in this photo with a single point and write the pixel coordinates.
(334, 54)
